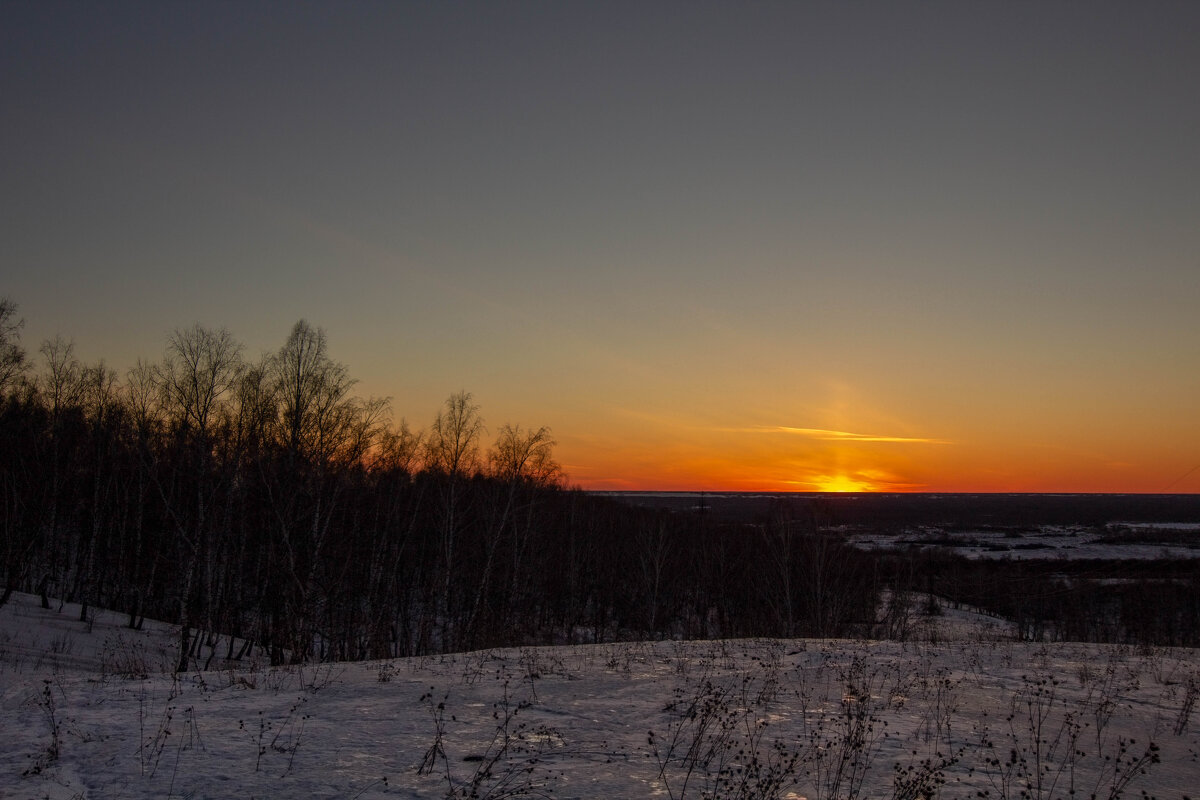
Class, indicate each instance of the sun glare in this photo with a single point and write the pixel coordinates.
(842, 483)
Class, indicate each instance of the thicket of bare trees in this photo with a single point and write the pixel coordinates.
(1140, 601)
(262, 498)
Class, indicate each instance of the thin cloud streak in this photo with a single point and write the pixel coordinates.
(824, 435)
(844, 436)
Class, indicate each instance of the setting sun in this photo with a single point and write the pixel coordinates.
(842, 483)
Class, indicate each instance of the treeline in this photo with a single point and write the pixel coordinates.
(1136, 601)
(263, 499)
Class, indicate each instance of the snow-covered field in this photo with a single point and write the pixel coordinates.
(86, 711)
(1179, 540)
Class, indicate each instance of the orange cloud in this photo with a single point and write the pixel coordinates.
(824, 435)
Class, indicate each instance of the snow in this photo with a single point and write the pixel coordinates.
(1169, 526)
(1047, 541)
(87, 711)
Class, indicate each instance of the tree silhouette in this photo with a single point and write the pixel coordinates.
(12, 355)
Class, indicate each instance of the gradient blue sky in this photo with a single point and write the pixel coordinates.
(784, 245)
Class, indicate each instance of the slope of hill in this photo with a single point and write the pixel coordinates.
(87, 712)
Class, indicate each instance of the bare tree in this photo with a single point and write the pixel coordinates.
(656, 553)
(62, 383)
(100, 400)
(398, 449)
(452, 448)
(522, 462)
(525, 455)
(14, 548)
(200, 368)
(320, 429)
(519, 460)
(143, 395)
(256, 406)
(61, 388)
(362, 426)
(777, 584)
(12, 355)
(313, 392)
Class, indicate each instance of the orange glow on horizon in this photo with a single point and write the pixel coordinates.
(666, 456)
(1033, 481)
(750, 474)
(843, 483)
(846, 485)
(735, 475)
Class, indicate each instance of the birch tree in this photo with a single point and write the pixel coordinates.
(12, 355)
(452, 448)
(198, 372)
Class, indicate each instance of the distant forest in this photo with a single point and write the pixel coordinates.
(263, 499)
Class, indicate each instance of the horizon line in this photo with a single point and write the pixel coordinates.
(885, 492)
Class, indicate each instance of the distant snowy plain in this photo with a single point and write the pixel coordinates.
(1062, 542)
(90, 710)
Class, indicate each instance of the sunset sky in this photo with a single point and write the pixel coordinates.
(782, 246)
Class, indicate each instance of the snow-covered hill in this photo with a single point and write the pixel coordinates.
(86, 711)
